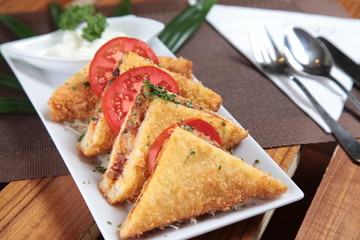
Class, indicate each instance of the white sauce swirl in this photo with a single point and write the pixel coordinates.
(74, 46)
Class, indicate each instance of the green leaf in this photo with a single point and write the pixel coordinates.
(55, 12)
(74, 15)
(8, 80)
(16, 26)
(15, 105)
(95, 27)
(183, 26)
(123, 8)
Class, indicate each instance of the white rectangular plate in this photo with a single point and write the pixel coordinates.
(39, 85)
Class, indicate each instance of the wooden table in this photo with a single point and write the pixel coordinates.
(32, 209)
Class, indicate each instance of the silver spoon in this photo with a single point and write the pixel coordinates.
(307, 54)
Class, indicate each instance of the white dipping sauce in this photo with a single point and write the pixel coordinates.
(74, 46)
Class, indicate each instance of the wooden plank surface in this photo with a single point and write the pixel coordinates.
(53, 207)
(335, 210)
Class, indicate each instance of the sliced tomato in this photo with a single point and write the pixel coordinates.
(156, 146)
(197, 123)
(119, 96)
(204, 127)
(106, 58)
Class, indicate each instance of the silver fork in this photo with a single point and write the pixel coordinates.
(271, 60)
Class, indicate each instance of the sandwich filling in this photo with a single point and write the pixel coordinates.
(133, 121)
(127, 136)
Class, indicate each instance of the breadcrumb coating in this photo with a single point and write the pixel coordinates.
(193, 177)
(177, 65)
(73, 100)
(76, 100)
(159, 116)
(194, 91)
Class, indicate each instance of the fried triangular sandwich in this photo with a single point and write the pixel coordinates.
(193, 177)
(76, 100)
(153, 112)
(99, 137)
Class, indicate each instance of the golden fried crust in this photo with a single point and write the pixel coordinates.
(195, 92)
(73, 100)
(160, 115)
(76, 100)
(99, 137)
(177, 65)
(193, 177)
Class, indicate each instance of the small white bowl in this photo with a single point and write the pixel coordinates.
(32, 50)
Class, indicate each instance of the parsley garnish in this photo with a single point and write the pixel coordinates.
(257, 161)
(74, 15)
(192, 152)
(100, 169)
(161, 92)
(187, 128)
(81, 137)
(86, 84)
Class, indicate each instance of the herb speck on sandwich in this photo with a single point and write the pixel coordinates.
(161, 92)
(192, 152)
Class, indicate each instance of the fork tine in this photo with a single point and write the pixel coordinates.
(263, 46)
(256, 45)
(272, 49)
(269, 43)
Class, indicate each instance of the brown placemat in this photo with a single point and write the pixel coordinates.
(27, 151)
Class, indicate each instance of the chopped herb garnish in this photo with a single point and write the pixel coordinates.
(219, 167)
(148, 144)
(161, 92)
(135, 114)
(229, 149)
(86, 84)
(73, 88)
(100, 169)
(223, 123)
(84, 182)
(187, 128)
(192, 152)
(119, 225)
(94, 119)
(148, 136)
(257, 161)
(108, 222)
(81, 137)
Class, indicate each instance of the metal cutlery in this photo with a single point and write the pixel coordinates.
(308, 55)
(343, 61)
(271, 60)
